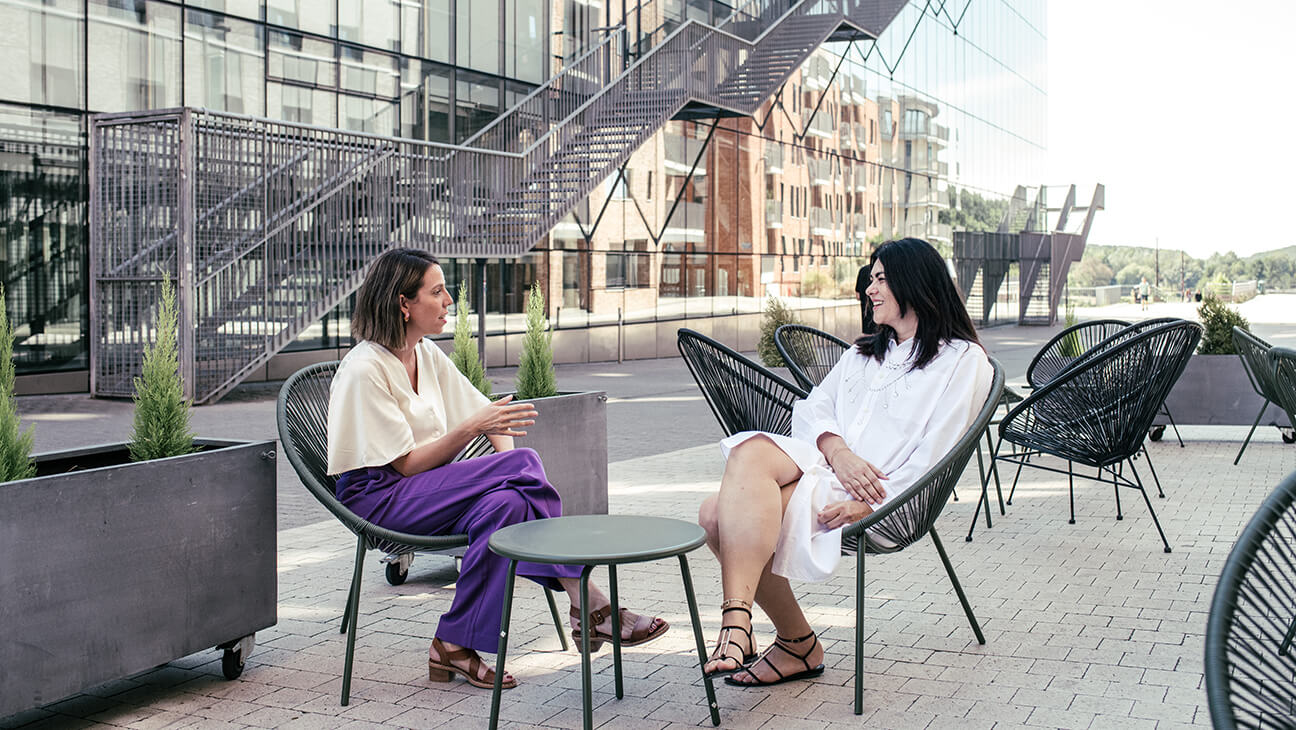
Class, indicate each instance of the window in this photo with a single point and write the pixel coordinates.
(621, 186)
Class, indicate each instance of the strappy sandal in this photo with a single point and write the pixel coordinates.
(644, 630)
(726, 639)
(780, 644)
(440, 668)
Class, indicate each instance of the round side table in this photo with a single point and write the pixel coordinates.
(591, 540)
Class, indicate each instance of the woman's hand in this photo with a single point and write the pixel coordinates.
(859, 477)
(840, 514)
(504, 418)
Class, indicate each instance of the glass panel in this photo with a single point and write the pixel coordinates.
(137, 55)
(369, 72)
(294, 57)
(42, 216)
(371, 22)
(523, 38)
(477, 103)
(425, 29)
(224, 64)
(366, 114)
(477, 35)
(299, 104)
(314, 16)
(42, 51)
(250, 9)
(425, 102)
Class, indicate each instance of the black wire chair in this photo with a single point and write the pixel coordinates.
(744, 395)
(1249, 661)
(1254, 353)
(1068, 346)
(302, 415)
(809, 353)
(1097, 411)
(1283, 360)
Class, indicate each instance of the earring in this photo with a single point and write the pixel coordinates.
(407, 316)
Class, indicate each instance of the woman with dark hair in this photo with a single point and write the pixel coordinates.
(399, 411)
(889, 410)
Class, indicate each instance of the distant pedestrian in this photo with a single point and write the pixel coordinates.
(1143, 292)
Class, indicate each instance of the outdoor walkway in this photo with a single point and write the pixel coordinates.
(1088, 625)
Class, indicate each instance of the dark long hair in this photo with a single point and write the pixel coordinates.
(377, 315)
(917, 277)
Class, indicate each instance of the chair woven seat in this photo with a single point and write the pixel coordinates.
(745, 396)
(302, 415)
(1249, 635)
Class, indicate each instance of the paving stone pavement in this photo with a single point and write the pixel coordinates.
(1087, 626)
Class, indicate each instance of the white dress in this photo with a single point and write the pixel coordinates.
(900, 420)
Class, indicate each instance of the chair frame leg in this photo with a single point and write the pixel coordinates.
(352, 617)
(1173, 425)
(1071, 488)
(1155, 479)
(958, 587)
(557, 620)
(1151, 511)
(1259, 415)
(1116, 489)
(985, 493)
(859, 625)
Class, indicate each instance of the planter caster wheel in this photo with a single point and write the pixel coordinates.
(1156, 432)
(398, 567)
(234, 655)
(1288, 435)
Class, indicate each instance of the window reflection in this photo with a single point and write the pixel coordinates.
(224, 64)
(43, 52)
(143, 40)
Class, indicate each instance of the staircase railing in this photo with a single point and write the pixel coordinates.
(267, 225)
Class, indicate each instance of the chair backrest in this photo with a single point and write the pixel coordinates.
(1122, 335)
(1254, 353)
(1067, 346)
(743, 395)
(1249, 654)
(302, 415)
(808, 352)
(1098, 410)
(907, 518)
(1283, 361)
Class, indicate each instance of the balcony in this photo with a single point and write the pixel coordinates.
(773, 158)
(821, 171)
(773, 214)
(824, 223)
(820, 126)
(679, 152)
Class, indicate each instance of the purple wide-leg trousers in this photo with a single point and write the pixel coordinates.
(474, 497)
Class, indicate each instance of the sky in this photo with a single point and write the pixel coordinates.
(1183, 109)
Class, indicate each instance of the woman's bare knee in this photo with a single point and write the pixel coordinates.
(708, 517)
(760, 457)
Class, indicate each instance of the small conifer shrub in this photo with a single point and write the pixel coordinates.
(15, 444)
(161, 410)
(777, 314)
(535, 378)
(464, 355)
(1218, 320)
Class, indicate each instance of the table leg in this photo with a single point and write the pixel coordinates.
(616, 631)
(503, 645)
(587, 690)
(701, 643)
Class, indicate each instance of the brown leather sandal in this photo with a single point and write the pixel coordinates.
(726, 640)
(440, 668)
(645, 629)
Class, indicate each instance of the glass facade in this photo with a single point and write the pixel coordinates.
(927, 130)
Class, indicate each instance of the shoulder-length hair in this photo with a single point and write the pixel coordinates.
(378, 317)
(918, 279)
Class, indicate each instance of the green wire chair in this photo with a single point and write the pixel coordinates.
(302, 414)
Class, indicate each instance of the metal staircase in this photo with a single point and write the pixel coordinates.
(266, 225)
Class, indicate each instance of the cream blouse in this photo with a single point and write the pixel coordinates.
(900, 420)
(374, 415)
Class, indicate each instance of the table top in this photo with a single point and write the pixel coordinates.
(597, 539)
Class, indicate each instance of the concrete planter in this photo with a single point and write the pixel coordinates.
(109, 568)
(570, 434)
(1214, 390)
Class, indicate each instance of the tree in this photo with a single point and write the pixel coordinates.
(1133, 274)
(15, 444)
(535, 377)
(161, 410)
(777, 314)
(464, 355)
(1090, 272)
